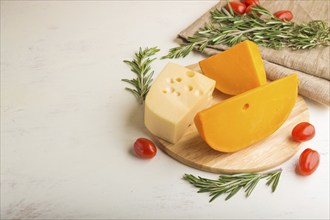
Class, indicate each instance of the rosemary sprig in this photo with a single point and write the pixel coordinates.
(265, 29)
(140, 65)
(231, 184)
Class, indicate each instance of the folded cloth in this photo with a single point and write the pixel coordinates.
(311, 65)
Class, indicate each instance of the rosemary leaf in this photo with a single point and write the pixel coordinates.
(251, 185)
(231, 184)
(181, 51)
(233, 191)
(274, 179)
(140, 65)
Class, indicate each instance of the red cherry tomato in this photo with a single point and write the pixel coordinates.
(248, 10)
(145, 148)
(250, 2)
(284, 15)
(237, 7)
(309, 160)
(303, 131)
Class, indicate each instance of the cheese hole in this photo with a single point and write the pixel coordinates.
(190, 74)
(170, 80)
(189, 88)
(178, 79)
(177, 93)
(246, 106)
(168, 90)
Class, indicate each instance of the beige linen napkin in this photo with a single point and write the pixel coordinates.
(312, 66)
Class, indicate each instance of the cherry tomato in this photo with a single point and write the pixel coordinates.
(237, 7)
(248, 10)
(250, 2)
(303, 131)
(145, 148)
(308, 162)
(284, 15)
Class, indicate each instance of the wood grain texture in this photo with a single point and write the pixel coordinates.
(266, 154)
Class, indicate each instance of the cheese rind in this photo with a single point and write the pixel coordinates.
(236, 70)
(245, 119)
(173, 100)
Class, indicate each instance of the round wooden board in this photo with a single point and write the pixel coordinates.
(266, 154)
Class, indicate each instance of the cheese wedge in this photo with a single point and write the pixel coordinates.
(245, 119)
(236, 70)
(173, 100)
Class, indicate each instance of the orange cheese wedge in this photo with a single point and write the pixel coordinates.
(245, 119)
(236, 70)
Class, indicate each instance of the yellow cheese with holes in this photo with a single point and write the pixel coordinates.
(236, 70)
(245, 119)
(173, 100)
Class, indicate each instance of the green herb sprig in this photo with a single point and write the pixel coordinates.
(140, 65)
(231, 184)
(261, 27)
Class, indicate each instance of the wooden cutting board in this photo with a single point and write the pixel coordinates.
(266, 154)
